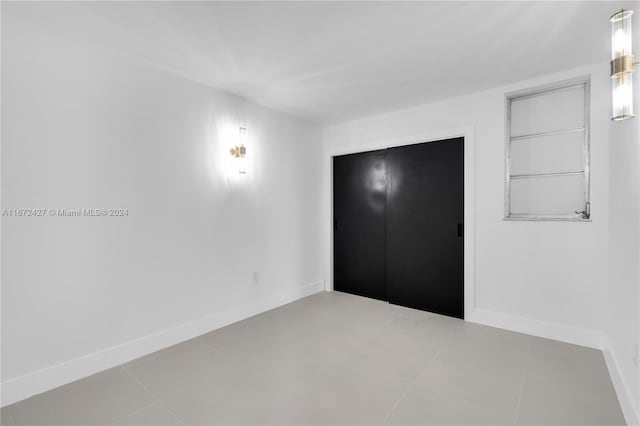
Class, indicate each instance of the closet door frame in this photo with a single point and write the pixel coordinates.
(469, 198)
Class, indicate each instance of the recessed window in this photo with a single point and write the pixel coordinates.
(547, 159)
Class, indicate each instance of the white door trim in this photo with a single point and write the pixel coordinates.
(469, 197)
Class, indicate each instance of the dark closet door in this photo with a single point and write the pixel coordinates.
(359, 212)
(425, 213)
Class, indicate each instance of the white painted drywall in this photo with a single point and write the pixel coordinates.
(622, 323)
(338, 60)
(84, 127)
(548, 277)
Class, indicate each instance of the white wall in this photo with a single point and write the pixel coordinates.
(88, 128)
(545, 278)
(622, 325)
(84, 127)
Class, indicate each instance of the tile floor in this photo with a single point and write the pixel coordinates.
(334, 358)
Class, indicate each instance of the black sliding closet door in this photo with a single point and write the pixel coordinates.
(359, 214)
(425, 216)
(398, 225)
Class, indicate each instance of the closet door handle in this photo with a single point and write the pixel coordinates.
(460, 230)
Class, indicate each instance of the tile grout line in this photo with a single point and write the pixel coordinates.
(150, 392)
(134, 413)
(413, 382)
(404, 393)
(521, 389)
(12, 422)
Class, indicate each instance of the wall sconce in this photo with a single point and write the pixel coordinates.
(622, 65)
(239, 151)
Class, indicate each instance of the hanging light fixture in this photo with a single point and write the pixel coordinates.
(622, 65)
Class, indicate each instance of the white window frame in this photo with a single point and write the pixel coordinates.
(538, 91)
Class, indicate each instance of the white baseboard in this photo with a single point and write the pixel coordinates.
(562, 333)
(19, 388)
(629, 410)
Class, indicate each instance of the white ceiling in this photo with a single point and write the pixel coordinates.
(334, 61)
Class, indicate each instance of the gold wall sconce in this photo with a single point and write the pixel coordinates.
(622, 65)
(239, 151)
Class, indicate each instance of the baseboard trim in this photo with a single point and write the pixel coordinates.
(19, 388)
(631, 414)
(562, 333)
(567, 334)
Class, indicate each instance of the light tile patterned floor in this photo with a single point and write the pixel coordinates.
(334, 358)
